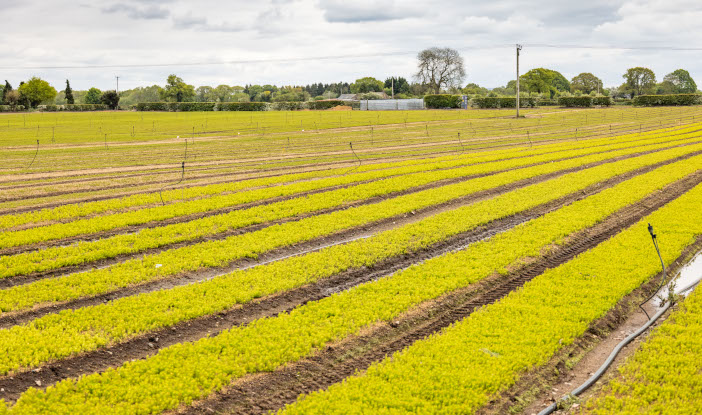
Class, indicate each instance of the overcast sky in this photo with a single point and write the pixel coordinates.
(41, 33)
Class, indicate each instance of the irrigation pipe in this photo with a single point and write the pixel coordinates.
(595, 377)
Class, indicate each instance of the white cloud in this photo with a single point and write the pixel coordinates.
(134, 32)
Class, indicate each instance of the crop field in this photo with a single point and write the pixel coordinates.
(455, 261)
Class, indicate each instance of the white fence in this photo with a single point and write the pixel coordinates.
(391, 104)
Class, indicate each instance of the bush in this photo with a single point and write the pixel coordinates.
(442, 101)
(667, 100)
(287, 106)
(10, 108)
(84, 107)
(602, 101)
(192, 106)
(242, 106)
(152, 106)
(110, 99)
(547, 102)
(504, 102)
(622, 101)
(324, 105)
(581, 101)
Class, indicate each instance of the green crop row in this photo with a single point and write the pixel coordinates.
(221, 252)
(73, 331)
(460, 369)
(184, 372)
(74, 211)
(665, 375)
(86, 252)
(104, 223)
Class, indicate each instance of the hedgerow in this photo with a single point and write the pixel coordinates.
(667, 100)
(504, 102)
(440, 101)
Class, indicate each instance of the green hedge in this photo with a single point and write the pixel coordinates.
(287, 106)
(7, 108)
(242, 106)
(324, 105)
(602, 101)
(583, 101)
(504, 102)
(547, 102)
(622, 101)
(442, 101)
(237, 106)
(72, 107)
(667, 100)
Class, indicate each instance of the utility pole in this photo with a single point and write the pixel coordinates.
(519, 47)
(117, 85)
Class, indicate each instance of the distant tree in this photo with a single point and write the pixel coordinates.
(400, 84)
(204, 94)
(110, 98)
(639, 80)
(69, 93)
(681, 81)
(585, 82)
(5, 90)
(139, 94)
(367, 84)
(543, 81)
(475, 89)
(439, 68)
(92, 96)
(36, 91)
(223, 93)
(12, 98)
(177, 90)
(665, 88)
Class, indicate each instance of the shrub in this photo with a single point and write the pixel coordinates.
(287, 106)
(442, 101)
(110, 99)
(504, 102)
(545, 102)
(622, 101)
(152, 106)
(667, 100)
(192, 106)
(324, 105)
(602, 101)
(580, 101)
(242, 106)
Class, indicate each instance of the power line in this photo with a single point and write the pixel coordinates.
(243, 61)
(349, 56)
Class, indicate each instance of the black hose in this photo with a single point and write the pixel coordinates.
(35, 155)
(182, 166)
(357, 158)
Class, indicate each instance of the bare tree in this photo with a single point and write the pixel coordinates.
(440, 68)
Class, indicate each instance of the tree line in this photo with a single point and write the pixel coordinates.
(439, 70)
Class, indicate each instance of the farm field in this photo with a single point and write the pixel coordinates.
(343, 261)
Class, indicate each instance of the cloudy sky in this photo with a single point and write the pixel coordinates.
(303, 41)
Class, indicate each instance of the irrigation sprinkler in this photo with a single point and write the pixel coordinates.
(654, 238)
(182, 166)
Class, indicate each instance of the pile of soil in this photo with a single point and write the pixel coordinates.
(340, 108)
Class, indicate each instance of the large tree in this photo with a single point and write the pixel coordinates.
(542, 81)
(639, 80)
(177, 90)
(36, 91)
(440, 68)
(92, 96)
(586, 82)
(682, 81)
(367, 84)
(69, 93)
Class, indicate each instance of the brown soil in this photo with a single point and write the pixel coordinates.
(265, 392)
(459, 304)
(179, 219)
(340, 108)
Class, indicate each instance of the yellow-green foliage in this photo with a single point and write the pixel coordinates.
(458, 370)
(665, 375)
(187, 371)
